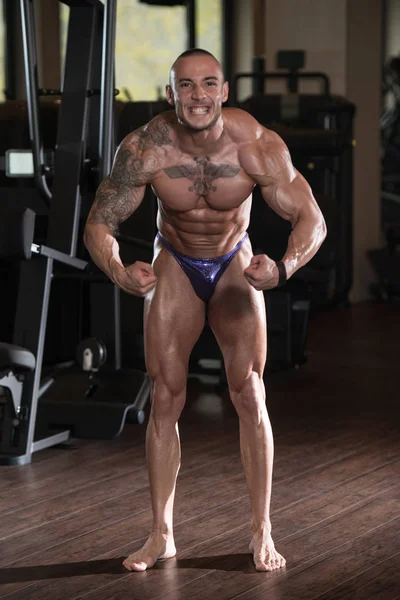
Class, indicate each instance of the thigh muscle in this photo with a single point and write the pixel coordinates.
(237, 318)
(173, 320)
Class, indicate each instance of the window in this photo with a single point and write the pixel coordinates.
(209, 26)
(148, 40)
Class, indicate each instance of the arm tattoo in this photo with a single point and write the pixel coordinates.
(202, 174)
(128, 169)
(113, 204)
(135, 163)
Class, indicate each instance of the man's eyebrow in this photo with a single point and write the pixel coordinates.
(204, 78)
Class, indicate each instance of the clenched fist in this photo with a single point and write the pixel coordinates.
(137, 279)
(262, 273)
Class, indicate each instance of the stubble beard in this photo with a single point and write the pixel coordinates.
(183, 121)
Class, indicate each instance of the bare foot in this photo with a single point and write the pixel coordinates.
(265, 557)
(157, 546)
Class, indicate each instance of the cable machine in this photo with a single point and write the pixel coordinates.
(30, 419)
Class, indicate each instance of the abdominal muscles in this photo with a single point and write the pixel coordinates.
(203, 230)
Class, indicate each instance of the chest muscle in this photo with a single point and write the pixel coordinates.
(201, 183)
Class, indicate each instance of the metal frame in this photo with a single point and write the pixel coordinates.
(29, 332)
(10, 14)
(31, 77)
(106, 137)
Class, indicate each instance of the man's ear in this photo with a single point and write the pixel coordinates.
(225, 91)
(170, 94)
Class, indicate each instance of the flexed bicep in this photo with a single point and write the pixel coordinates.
(267, 161)
(289, 195)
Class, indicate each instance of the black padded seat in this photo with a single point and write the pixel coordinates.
(16, 358)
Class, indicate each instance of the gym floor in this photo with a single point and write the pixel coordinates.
(69, 518)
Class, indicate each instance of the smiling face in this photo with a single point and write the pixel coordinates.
(197, 90)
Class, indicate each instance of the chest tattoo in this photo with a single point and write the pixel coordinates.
(202, 174)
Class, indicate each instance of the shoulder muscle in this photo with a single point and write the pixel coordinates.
(242, 126)
(267, 159)
(140, 153)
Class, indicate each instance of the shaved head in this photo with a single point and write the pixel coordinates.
(189, 53)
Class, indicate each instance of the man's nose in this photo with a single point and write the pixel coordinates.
(198, 92)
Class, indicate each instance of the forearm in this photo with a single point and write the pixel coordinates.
(308, 233)
(103, 248)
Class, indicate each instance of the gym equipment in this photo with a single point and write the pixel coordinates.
(82, 154)
(19, 416)
(91, 354)
(318, 130)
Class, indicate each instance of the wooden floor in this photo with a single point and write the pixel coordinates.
(68, 519)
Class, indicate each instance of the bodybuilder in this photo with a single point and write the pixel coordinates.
(203, 162)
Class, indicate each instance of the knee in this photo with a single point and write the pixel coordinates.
(167, 398)
(248, 396)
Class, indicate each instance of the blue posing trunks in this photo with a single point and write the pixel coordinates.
(204, 273)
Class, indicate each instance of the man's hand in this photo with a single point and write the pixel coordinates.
(137, 279)
(262, 273)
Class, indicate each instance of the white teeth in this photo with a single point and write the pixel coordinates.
(199, 111)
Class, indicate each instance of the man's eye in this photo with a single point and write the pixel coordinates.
(211, 83)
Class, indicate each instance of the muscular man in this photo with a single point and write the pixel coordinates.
(203, 162)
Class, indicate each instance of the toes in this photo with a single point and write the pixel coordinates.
(278, 561)
(262, 566)
(268, 561)
(130, 565)
(138, 566)
(262, 563)
(134, 564)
